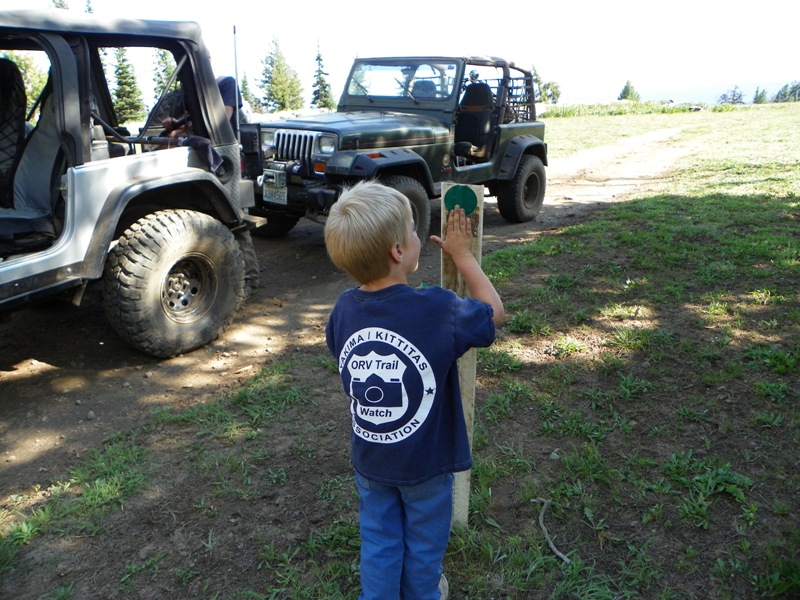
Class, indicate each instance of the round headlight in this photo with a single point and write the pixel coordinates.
(327, 144)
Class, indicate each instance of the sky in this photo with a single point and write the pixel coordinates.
(680, 50)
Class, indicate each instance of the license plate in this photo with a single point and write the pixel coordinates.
(274, 188)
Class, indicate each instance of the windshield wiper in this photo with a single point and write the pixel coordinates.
(365, 90)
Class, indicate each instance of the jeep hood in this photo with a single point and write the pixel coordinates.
(360, 130)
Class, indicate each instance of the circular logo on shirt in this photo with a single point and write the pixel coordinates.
(390, 383)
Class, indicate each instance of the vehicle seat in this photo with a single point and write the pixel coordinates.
(424, 88)
(13, 104)
(474, 124)
(31, 219)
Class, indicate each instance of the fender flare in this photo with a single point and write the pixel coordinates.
(348, 165)
(515, 149)
(211, 199)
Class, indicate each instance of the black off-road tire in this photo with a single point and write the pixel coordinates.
(420, 203)
(173, 282)
(520, 199)
(276, 226)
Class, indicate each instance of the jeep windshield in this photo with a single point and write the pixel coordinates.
(415, 79)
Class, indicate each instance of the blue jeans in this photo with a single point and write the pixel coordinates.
(404, 535)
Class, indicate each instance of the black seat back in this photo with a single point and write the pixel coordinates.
(13, 104)
(424, 88)
(474, 123)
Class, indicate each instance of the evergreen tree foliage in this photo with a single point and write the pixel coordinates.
(164, 68)
(280, 83)
(788, 93)
(128, 102)
(322, 97)
(548, 92)
(794, 92)
(734, 96)
(62, 4)
(760, 97)
(628, 93)
(248, 96)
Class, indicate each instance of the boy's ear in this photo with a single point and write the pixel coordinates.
(396, 253)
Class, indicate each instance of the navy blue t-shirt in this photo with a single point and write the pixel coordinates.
(396, 350)
(231, 97)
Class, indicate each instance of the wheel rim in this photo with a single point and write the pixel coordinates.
(189, 289)
(530, 191)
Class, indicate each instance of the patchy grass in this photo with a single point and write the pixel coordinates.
(636, 435)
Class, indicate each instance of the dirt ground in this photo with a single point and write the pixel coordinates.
(67, 382)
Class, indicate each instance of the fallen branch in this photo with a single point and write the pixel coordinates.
(550, 543)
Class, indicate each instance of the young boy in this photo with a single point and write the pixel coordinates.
(396, 348)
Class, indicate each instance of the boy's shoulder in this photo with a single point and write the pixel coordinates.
(399, 298)
(423, 292)
(400, 289)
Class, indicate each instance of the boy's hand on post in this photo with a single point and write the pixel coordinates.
(457, 244)
(457, 235)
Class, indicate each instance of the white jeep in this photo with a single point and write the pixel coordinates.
(83, 200)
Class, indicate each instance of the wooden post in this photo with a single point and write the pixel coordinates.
(470, 198)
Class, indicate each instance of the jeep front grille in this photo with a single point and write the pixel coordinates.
(294, 145)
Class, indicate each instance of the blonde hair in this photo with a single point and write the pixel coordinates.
(367, 220)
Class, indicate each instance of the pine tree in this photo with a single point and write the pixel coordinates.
(734, 96)
(128, 102)
(62, 4)
(164, 69)
(794, 92)
(249, 97)
(628, 93)
(788, 93)
(321, 97)
(280, 83)
(782, 95)
(760, 97)
(537, 86)
(548, 92)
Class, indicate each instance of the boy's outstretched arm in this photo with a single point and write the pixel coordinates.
(457, 244)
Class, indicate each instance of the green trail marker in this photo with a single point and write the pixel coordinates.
(465, 196)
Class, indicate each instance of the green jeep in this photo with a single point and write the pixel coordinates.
(413, 123)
